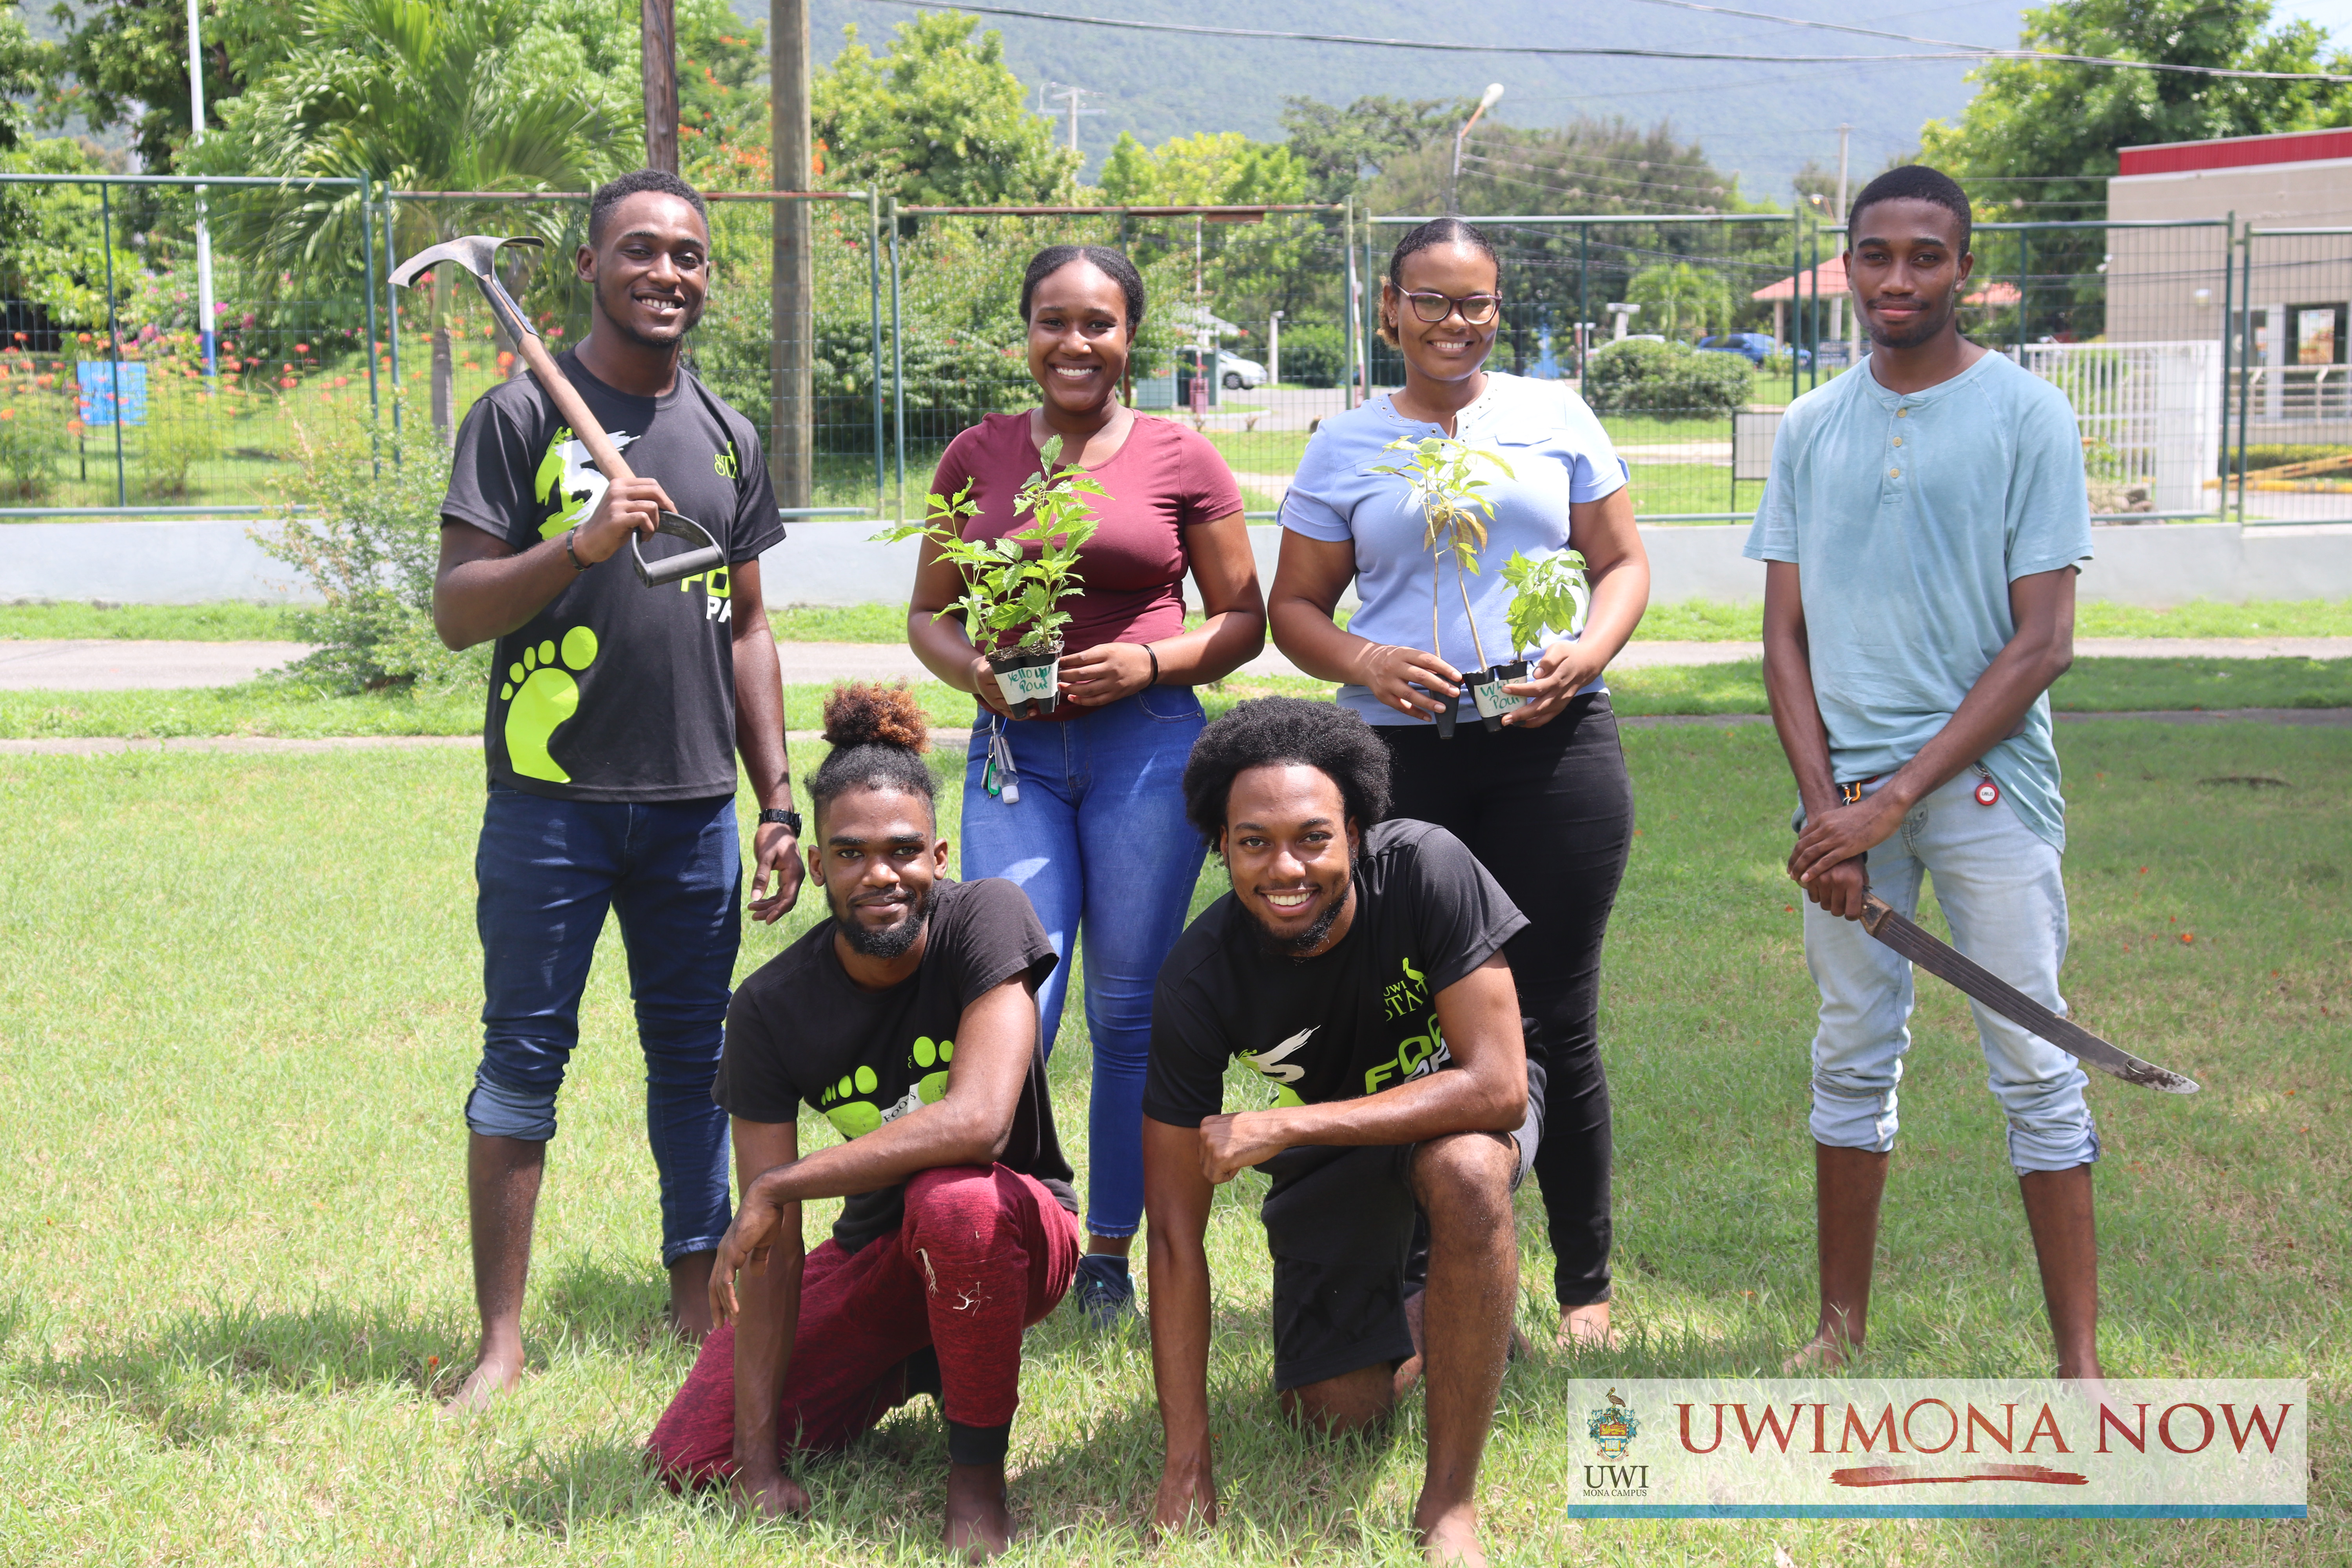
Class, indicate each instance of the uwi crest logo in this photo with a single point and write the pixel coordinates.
(1613, 1428)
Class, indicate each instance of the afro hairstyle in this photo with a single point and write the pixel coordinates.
(1274, 729)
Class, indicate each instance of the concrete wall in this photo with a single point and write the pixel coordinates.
(834, 564)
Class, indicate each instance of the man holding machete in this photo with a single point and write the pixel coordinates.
(1921, 530)
(615, 713)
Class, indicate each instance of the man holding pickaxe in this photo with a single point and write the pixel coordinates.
(618, 702)
(1921, 530)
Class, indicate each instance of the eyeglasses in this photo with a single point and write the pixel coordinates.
(1477, 310)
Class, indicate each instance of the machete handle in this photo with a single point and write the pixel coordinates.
(1875, 911)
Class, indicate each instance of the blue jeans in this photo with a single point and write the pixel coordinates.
(1100, 845)
(547, 871)
(1998, 885)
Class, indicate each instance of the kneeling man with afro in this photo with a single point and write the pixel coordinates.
(1357, 966)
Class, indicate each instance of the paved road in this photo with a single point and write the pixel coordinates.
(122, 666)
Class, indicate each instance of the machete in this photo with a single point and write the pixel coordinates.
(1879, 918)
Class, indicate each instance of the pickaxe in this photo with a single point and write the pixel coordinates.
(478, 254)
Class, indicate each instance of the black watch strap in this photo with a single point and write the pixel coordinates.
(791, 819)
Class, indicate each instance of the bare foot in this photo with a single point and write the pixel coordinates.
(498, 1371)
(978, 1521)
(1819, 1353)
(689, 1297)
(1453, 1537)
(1586, 1328)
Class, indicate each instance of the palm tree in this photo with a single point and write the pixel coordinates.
(416, 95)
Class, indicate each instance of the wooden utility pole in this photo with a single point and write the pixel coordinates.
(792, 448)
(658, 27)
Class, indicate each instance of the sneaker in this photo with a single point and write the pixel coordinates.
(1102, 1292)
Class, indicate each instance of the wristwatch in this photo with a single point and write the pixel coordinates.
(791, 819)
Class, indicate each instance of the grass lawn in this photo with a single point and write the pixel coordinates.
(1690, 620)
(276, 708)
(236, 1274)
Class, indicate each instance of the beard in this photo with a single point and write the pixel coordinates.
(890, 940)
(1925, 327)
(1274, 944)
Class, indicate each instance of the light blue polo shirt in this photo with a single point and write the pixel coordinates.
(1909, 515)
(1557, 454)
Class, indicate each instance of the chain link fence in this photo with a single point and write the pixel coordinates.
(2206, 361)
(114, 397)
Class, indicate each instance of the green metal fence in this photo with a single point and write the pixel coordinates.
(109, 400)
(109, 405)
(2200, 356)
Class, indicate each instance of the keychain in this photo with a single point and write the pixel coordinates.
(1000, 778)
(1988, 792)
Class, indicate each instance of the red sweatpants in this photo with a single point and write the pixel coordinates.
(984, 1252)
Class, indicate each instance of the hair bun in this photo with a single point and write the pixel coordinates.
(867, 714)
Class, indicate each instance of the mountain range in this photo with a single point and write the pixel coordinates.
(1763, 119)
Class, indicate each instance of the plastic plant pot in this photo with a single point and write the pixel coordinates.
(1493, 701)
(1445, 718)
(1031, 680)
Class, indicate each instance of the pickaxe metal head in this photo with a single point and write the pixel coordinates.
(477, 253)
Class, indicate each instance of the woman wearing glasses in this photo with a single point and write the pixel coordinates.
(1544, 803)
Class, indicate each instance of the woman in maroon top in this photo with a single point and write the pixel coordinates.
(1095, 830)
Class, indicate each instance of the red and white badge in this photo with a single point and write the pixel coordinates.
(1988, 792)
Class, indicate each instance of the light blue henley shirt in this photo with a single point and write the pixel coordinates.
(1909, 514)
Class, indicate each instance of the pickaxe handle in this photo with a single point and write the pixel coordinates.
(566, 396)
(607, 457)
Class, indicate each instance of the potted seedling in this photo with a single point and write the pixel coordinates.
(1012, 600)
(1455, 511)
(1547, 592)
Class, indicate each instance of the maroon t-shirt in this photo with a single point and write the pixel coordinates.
(1162, 480)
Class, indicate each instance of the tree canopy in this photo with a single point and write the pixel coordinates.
(2044, 134)
(1343, 149)
(939, 119)
(1221, 168)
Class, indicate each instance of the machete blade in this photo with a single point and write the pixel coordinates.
(1972, 979)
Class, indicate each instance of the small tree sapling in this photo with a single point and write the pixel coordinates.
(1548, 592)
(1011, 603)
(1455, 511)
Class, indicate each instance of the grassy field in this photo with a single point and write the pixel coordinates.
(272, 706)
(235, 1273)
(1693, 620)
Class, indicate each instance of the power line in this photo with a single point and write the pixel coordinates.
(1444, 46)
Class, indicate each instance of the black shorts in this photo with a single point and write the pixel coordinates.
(1340, 1223)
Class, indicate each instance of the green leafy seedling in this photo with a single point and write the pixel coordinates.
(1012, 600)
(1455, 511)
(1547, 594)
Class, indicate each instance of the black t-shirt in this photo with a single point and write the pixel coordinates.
(801, 1031)
(615, 690)
(1352, 1021)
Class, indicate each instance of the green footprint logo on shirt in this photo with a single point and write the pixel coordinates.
(856, 1118)
(539, 697)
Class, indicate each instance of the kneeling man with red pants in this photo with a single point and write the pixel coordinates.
(908, 1019)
